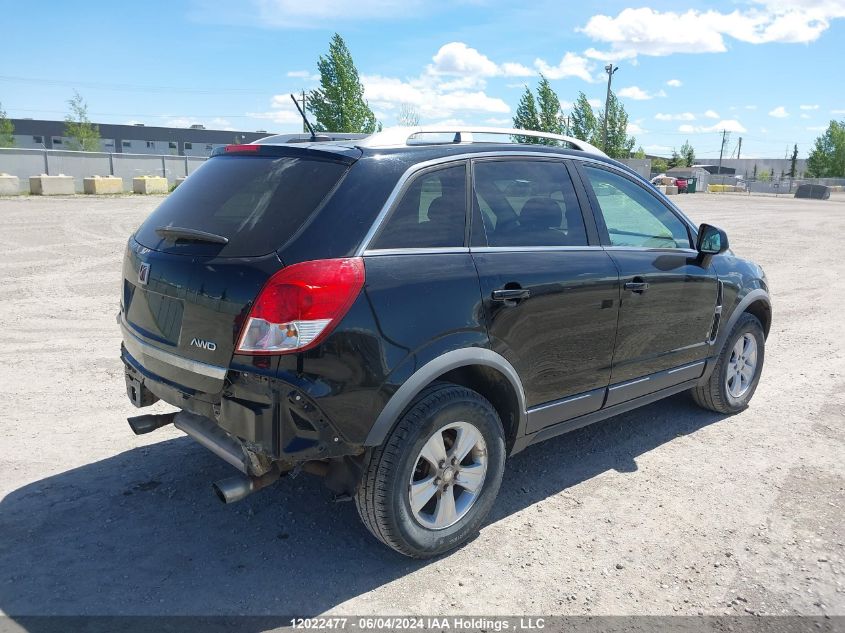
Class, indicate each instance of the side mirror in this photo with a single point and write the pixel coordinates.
(711, 240)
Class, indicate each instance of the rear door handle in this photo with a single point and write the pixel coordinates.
(637, 285)
(511, 294)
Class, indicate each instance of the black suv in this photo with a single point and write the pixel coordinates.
(399, 313)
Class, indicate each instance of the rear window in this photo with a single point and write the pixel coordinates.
(256, 203)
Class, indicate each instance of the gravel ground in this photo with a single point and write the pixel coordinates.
(665, 510)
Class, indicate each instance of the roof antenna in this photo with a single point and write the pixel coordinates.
(304, 119)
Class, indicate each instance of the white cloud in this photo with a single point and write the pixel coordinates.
(817, 128)
(596, 103)
(511, 69)
(657, 149)
(674, 83)
(711, 114)
(635, 128)
(458, 59)
(646, 31)
(302, 74)
(809, 107)
(499, 122)
(433, 97)
(837, 111)
(729, 125)
(570, 65)
(779, 113)
(683, 116)
(804, 115)
(638, 94)
(751, 107)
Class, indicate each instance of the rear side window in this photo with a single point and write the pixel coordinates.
(528, 203)
(635, 217)
(430, 214)
(257, 203)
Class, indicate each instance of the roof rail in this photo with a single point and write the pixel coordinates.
(402, 136)
(305, 137)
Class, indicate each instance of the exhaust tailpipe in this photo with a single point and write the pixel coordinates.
(234, 489)
(148, 423)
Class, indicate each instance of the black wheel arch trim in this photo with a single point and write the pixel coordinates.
(758, 294)
(429, 372)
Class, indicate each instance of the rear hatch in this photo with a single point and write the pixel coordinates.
(194, 267)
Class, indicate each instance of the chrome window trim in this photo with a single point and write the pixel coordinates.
(139, 348)
(434, 250)
(665, 249)
(531, 249)
(394, 195)
(436, 162)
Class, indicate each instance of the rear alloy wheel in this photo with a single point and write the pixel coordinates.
(448, 476)
(430, 486)
(734, 378)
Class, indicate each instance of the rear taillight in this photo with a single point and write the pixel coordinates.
(300, 305)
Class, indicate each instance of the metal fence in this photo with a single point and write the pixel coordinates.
(777, 186)
(24, 163)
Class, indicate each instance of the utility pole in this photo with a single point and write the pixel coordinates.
(304, 124)
(609, 69)
(722, 150)
(739, 151)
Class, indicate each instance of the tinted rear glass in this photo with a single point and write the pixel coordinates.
(257, 203)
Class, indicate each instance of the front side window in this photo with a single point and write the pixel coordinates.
(635, 217)
(430, 214)
(528, 203)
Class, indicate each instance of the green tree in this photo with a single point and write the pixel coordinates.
(619, 144)
(765, 175)
(659, 165)
(755, 171)
(548, 104)
(84, 135)
(675, 160)
(640, 153)
(827, 158)
(7, 130)
(527, 117)
(584, 123)
(687, 154)
(793, 162)
(338, 104)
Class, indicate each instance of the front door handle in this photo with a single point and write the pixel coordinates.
(637, 285)
(511, 294)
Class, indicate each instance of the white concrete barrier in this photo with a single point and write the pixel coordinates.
(98, 185)
(9, 185)
(45, 185)
(149, 184)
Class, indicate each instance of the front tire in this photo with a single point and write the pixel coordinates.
(432, 483)
(737, 372)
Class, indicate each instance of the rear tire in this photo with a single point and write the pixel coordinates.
(411, 495)
(734, 379)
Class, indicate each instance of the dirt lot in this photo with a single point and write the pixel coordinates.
(665, 510)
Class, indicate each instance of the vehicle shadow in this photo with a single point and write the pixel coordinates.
(141, 533)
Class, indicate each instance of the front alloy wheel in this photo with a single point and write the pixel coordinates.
(742, 366)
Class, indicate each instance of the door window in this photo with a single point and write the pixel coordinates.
(528, 203)
(635, 217)
(431, 213)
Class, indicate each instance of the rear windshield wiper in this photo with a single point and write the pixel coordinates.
(193, 235)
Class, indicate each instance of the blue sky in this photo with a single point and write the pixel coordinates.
(769, 71)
